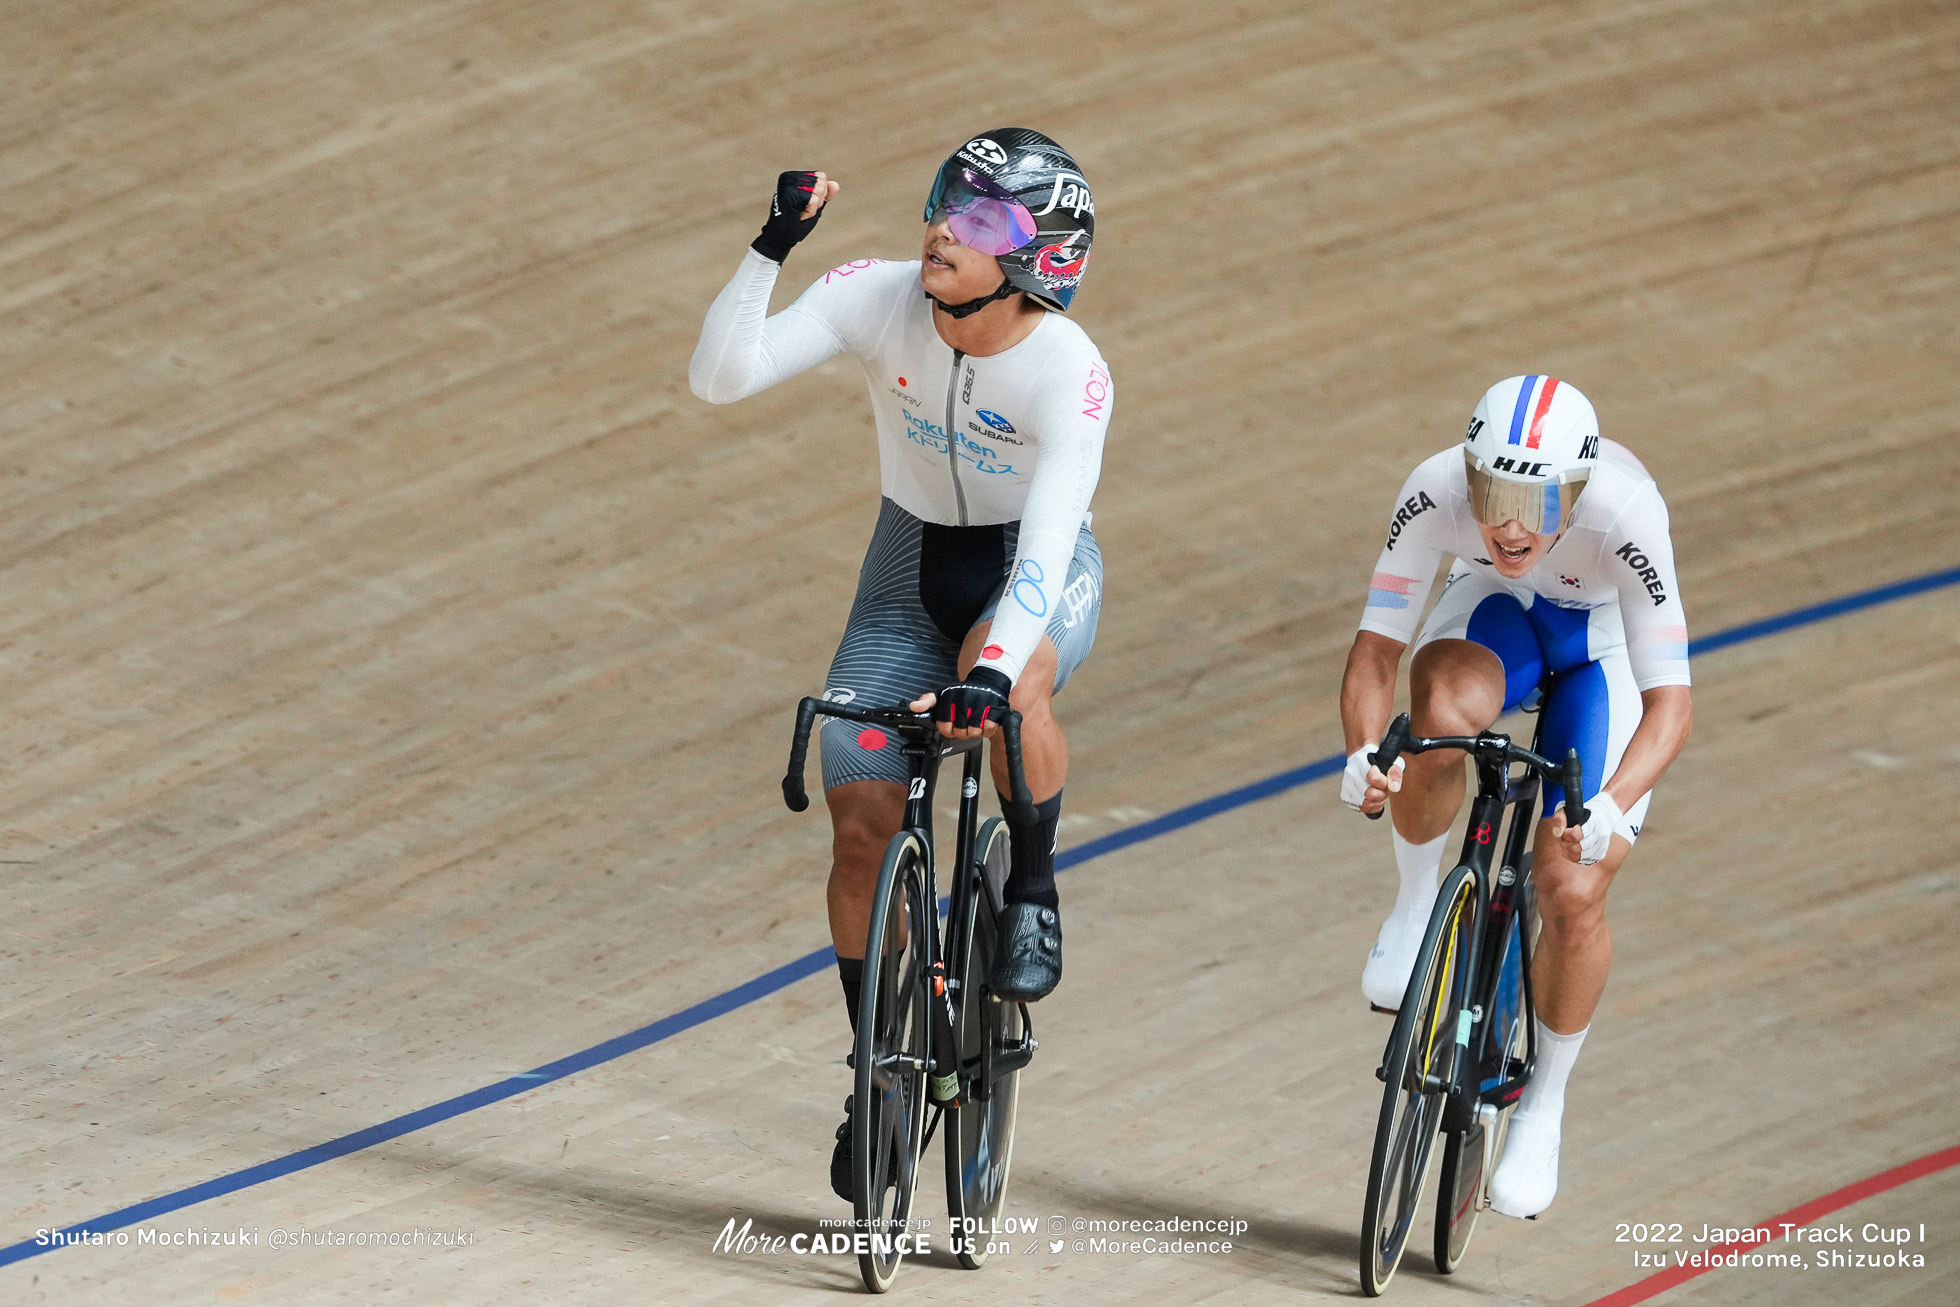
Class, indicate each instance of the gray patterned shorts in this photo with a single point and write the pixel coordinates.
(922, 588)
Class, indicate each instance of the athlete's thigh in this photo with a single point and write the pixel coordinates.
(1071, 625)
(1474, 607)
(891, 653)
(1594, 708)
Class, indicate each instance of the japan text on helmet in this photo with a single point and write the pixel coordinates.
(1017, 195)
(1533, 443)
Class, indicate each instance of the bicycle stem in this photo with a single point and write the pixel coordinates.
(1570, 775)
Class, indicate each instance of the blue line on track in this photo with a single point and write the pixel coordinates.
(820, 960)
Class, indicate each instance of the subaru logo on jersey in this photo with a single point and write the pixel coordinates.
(995, 420)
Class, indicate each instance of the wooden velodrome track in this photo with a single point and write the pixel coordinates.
(398, 659)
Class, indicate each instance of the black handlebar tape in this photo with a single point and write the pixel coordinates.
(1394, 740)
(1575, 777)
(799, 748)
(1017, 778)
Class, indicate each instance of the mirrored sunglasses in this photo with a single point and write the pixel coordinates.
(1544, 507)
(981, 215)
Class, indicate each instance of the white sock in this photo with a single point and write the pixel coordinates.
(1419, 865)
(1544, 1095)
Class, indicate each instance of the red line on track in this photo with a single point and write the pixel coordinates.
(1655, 1285)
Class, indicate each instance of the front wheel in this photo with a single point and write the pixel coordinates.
(1415, 1071)
(980, 1124)
(1468, 1154)
(891, 1057)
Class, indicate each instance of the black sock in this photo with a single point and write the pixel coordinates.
(851, 972)
(1031, 856)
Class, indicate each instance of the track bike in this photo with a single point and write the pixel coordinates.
(934, 1044)
(1464, 1042)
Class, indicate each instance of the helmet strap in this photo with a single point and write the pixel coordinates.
(972, 306)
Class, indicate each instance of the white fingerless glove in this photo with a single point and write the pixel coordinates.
(1604, 820)
(1354, 780)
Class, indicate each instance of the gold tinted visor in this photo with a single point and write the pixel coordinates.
(1544, 507)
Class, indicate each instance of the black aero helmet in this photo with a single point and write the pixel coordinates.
(1017, 195)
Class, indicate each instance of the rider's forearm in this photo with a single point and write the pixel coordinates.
(1368, 688)
(743, 349)
(1667, 715)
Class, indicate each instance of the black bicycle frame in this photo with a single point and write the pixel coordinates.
(925, 749)
(1480, 956)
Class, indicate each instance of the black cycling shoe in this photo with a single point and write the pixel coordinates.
(1028, 964)
(840, 1158)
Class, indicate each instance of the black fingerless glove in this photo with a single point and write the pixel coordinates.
(979, 699)
(786, 224)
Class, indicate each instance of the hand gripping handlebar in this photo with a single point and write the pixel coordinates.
(1397, 740)
(917, 727)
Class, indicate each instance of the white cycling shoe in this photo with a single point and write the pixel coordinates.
(1386, 977)
(1526, 1179)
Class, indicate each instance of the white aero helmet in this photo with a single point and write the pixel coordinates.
(1532, 444)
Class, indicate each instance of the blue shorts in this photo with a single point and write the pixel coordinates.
(923, 587)
(1594, 705)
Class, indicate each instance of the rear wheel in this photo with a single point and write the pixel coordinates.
(980, 1125)
(1415, 1070)
(888, 1108)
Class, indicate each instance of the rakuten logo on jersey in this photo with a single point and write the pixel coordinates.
(1407, 512)
(1095, 393)
(1645, 570)
(923, 432)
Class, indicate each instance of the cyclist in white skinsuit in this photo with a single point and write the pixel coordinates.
(962, 440)
(982, 585)
(1564, 570)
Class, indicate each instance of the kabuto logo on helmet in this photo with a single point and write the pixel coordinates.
(1019, 196)
(982, 150)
